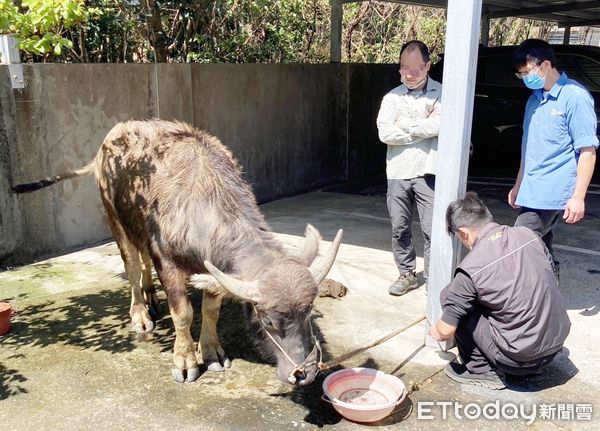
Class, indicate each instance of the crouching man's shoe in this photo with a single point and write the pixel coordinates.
(488, 379)
(406, 282)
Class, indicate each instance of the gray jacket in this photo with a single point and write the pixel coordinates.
(514, 286)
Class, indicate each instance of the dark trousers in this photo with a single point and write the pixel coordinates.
(540, 221)
(479, 353)
(402, 195)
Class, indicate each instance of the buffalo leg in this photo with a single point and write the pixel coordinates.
(140, 318)
(148, 289)
(185, 366)
(213, 354)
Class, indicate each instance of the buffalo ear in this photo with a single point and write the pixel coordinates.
(310, 248)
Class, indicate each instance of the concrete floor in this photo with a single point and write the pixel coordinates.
(72, 363)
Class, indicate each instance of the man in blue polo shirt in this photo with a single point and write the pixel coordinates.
(558, 151)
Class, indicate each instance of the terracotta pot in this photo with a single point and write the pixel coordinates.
(5, 311)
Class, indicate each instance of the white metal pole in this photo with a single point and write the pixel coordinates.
(9, 54)
(460, 66)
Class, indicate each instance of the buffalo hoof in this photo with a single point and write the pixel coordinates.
(193, 374)
(142, 328)
(178, 375)
(181, 376)
(215, 366)
(140, 318)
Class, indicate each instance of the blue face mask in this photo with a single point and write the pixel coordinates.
(534, 81)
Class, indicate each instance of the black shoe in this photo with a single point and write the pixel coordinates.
(488, 379)
(406, 282)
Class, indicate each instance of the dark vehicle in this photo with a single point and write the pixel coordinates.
(500, 99)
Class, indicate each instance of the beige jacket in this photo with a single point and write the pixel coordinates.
(409, 123)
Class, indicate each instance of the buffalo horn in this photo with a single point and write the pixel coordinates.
(247, 290)
(320, 269)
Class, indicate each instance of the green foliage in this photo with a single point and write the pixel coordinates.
(8, 17)
(375, 31)
(259, 31)
(109, 36)
(39, 24)
(512, 31)
(230, 31)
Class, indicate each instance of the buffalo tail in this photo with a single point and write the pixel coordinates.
(40, 184)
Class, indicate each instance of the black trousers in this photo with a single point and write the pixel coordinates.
(402, 196)
(541, 222)
(479, 353)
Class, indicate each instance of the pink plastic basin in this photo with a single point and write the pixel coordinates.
(363, 394)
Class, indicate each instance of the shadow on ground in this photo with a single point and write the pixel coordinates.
(99, 321)
(95, 321)
(10, 382)
(557, 373)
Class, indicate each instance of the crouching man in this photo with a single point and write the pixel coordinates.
(503, 306)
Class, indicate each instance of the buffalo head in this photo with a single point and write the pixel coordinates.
(280, 301)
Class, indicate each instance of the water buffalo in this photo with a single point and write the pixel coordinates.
(175, 198)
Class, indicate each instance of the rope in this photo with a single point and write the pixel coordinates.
(416, 386)
(316, 345)
(297, 367)
(280, 348)
(335, 361)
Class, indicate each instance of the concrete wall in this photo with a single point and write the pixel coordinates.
(294, 128)
(10, 221)
(367, 84)
(282, 122)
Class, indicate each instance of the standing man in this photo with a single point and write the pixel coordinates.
(503, 306)
(558, 151)
(409, 123)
